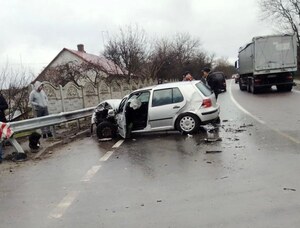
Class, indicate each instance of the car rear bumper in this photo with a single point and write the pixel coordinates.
(209, 115)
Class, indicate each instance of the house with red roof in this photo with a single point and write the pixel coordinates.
(79, 67)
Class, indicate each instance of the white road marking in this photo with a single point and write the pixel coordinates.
(63, 205)
(89, 175)
(106, 156)
(241, 108)
(119, 143)
(259, 120)
(71, 196)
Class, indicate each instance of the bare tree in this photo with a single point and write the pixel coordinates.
(285, 13)
(14, 86)
(171, 58)
(63, 73)
(187, 55)
(128, 50)
(222, 64)
(158, 57)
(185, 48)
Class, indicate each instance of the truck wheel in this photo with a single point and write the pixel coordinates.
(188, 123)
(106, 130)
(248, 88)
(252, 88)
(242, 87)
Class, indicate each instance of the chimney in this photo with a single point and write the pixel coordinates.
(80, 47)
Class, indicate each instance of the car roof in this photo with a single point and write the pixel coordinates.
(168, 85)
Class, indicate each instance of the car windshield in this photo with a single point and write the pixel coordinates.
(203, 89)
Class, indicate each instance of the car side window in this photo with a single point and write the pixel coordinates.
(177, 95)
(166, 96)
(203, 89)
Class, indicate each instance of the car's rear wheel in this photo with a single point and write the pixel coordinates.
(188, 123)
(106, 130)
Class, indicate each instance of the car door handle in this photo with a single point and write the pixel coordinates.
(175, 107)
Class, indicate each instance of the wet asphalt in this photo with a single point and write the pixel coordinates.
(240, 173)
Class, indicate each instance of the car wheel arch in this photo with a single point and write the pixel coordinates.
(103, 129)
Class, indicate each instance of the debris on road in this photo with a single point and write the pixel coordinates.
(16, 157)
(213, 151)
(289, 189)
(105, 139)
(246, 125)
(212, 139)
(224, 177)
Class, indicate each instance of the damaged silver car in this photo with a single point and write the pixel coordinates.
(182, 106)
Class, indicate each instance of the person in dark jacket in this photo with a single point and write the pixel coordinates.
(212, 81)
(205, 73)
(3, 107)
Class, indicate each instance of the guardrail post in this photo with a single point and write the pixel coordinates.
(16, 145)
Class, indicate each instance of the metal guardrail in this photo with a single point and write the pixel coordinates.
(44, 121)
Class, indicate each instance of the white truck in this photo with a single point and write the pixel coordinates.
(267, 61)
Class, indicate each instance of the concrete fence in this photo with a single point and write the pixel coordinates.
(72, 97)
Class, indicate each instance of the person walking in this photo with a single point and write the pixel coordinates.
(39, 102)
(3, 107)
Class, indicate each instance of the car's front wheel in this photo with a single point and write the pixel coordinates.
(188, 123)
(106, 130)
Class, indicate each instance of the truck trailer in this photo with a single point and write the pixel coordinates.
(267, 61)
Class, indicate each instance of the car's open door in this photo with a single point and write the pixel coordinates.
(121, 118)
(121, 125)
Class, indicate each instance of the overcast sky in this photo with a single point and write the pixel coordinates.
(33, 32)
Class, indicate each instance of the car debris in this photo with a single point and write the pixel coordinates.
(213, 151)
(289, 189)
(104, 139)
(207, 140)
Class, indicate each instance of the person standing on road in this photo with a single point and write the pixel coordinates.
(39, 102)
(3, 107)
(211, 80)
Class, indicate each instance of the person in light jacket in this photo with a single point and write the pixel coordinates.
(39, 102)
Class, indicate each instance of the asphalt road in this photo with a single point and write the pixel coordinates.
(246, 177)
